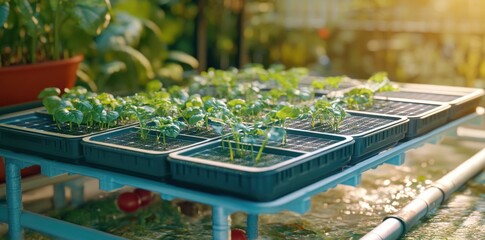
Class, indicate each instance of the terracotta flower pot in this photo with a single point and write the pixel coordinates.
(24, 82)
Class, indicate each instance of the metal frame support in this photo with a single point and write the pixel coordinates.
(77, 191)
(59, 197)
(14, 200)
(252, 226)
(221, 223)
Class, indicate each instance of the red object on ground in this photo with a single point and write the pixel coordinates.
(23, 83)
(144, 195)
(238, 234)
(324, 33)
(25, 172)
(128, 202)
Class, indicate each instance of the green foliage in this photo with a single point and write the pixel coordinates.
(47, 30)
(331, 113)
(4, 12)
(327, 83)
(359, 98)
(133, 50)
(79, 106)
(379, 82)
(167, 127)
(363, 97)
(243, 123)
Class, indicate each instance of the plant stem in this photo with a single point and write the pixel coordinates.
(231, 154)
(57, 50)
(284, 133)
(252, 152)
(238, 146)
(260, 152)
(222, 142)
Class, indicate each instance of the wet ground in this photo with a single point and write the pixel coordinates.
(341, 213)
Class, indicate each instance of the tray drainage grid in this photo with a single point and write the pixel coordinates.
(302, 143)
(352, 125)
(45, 123)
(420, 96)
(201, 132)
(400, 108)
(221, 154)
(132, 139)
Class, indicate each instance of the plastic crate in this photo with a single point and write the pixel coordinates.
(209, 168)
(372, 133)
(462, 100)
(35, 132)
(123, 151)
(423, 116)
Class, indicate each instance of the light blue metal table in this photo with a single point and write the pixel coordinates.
(222, 206)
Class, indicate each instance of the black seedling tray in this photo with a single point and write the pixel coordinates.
(202, 132)
(280, 171)
(345, 85)
(35, 132)
(124, 151)
(423, 116)
(463, 101)
(372, 133)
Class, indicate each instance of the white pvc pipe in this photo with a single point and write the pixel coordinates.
(396, 225)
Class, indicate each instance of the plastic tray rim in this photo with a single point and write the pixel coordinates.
(439, 107)
(177, 156)
(88, 141)
(43, 132)
(397, 120)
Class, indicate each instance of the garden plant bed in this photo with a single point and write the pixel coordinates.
(463, 101)
(278, 172)
(372, 133)
(124, 151)
(35, 132)
(423, 116)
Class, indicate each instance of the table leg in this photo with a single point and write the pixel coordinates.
(14, 200)
(252, 226)
(59, 196)
(220, 223)
(77, 194)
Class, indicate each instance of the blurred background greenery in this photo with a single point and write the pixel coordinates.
(424, 41)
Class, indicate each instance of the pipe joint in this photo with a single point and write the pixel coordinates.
(447, 187)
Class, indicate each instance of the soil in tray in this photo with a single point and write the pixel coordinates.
(45, 123)
(352, 125)
(420, 96)
(400, 108)
(201, 132)
(132, 139)
(220, 154)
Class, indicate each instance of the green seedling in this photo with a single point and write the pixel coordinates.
(167, 127)
(379, 82)
(325, 112)
(359, 98)
(68, 115)
(285, 113)
(143, 115)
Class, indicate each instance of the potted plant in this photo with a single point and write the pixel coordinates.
(41, 43)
